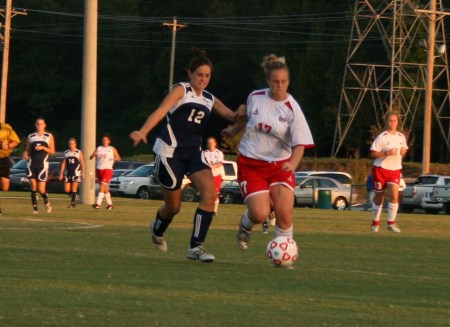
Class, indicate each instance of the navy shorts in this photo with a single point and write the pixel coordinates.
(5, 167)
(38, 173)
(170, 171)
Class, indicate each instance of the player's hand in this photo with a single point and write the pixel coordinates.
(287, 167)
(137, 137)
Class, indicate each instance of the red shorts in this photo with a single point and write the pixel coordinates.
(256, 176)
(383, 176)
(104, 175)
(218, 182)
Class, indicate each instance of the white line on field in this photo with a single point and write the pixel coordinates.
(83, 224)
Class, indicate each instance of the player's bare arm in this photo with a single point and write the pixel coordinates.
(169, 101)
(296, 157)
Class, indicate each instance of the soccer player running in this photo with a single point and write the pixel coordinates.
(8, 141)
(73, 166)
(387, 149)
(105, 156)
(214, 158)
(271, 149)
(187, 109)
(40, 145)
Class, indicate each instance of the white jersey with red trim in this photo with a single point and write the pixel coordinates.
(273, 128)
(384, 142)
(213, 158)
(105, 157)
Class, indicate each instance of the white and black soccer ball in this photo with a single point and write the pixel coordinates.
(282, 251)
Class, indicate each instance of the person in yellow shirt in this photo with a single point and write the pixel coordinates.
(8, 141)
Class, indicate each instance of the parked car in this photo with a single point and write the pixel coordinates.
(308, 187)
(134, 183)
(231, 193)
(343, 178)
(418, 195)
(127, 164)
(20, 166)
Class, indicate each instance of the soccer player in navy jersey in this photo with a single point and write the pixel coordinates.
(186, 110)
(40, 145)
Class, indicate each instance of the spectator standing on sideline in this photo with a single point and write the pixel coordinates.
(370, 193)
(187, 109)
(272, 147)
(8, 141)
(40, 145)
(214, 158)
(73, 166)
(105, 156)
(388, 149)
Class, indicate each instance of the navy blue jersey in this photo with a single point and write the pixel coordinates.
(38, 158)
(73, 165)
(185, 123)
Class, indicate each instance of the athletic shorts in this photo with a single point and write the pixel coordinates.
(170, 171)
(5, 167)
(38, 173)
(257, 176)
(104, 175)
(72, 178)
(218, 182)
(381, 177)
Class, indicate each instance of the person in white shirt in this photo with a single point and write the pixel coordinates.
(214, 158)
(388, 149)
(272, 147)
(105, 155)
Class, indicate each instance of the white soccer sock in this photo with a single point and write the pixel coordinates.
(246, 222)
(392, 212)
(100, 197)
(376, 213)
(284, 232)
(108, 199)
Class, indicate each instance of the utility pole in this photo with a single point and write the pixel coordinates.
(7, 13)
(426, 151)
(89, 99)
(174, 26)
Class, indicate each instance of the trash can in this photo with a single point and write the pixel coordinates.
(324, 201)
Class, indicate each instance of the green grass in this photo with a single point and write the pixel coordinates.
(56, 270)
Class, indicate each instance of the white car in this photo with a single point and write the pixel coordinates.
(135, 183)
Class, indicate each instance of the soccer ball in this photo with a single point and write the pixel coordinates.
(282, 251)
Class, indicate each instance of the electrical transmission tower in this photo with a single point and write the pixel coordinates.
(396, 80)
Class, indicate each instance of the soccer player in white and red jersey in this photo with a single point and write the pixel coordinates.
(105, 155)
(388, 149)
(214, 158)
(271, 149)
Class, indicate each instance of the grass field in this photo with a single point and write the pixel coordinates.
(86, 267)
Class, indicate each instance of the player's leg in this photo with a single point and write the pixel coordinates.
(283, 203)
(33, 189)
(169, 175)
(73, 193)
(393, 207)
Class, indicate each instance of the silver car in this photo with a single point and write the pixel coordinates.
(307, 189)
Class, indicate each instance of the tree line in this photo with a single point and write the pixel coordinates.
(134, 48)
